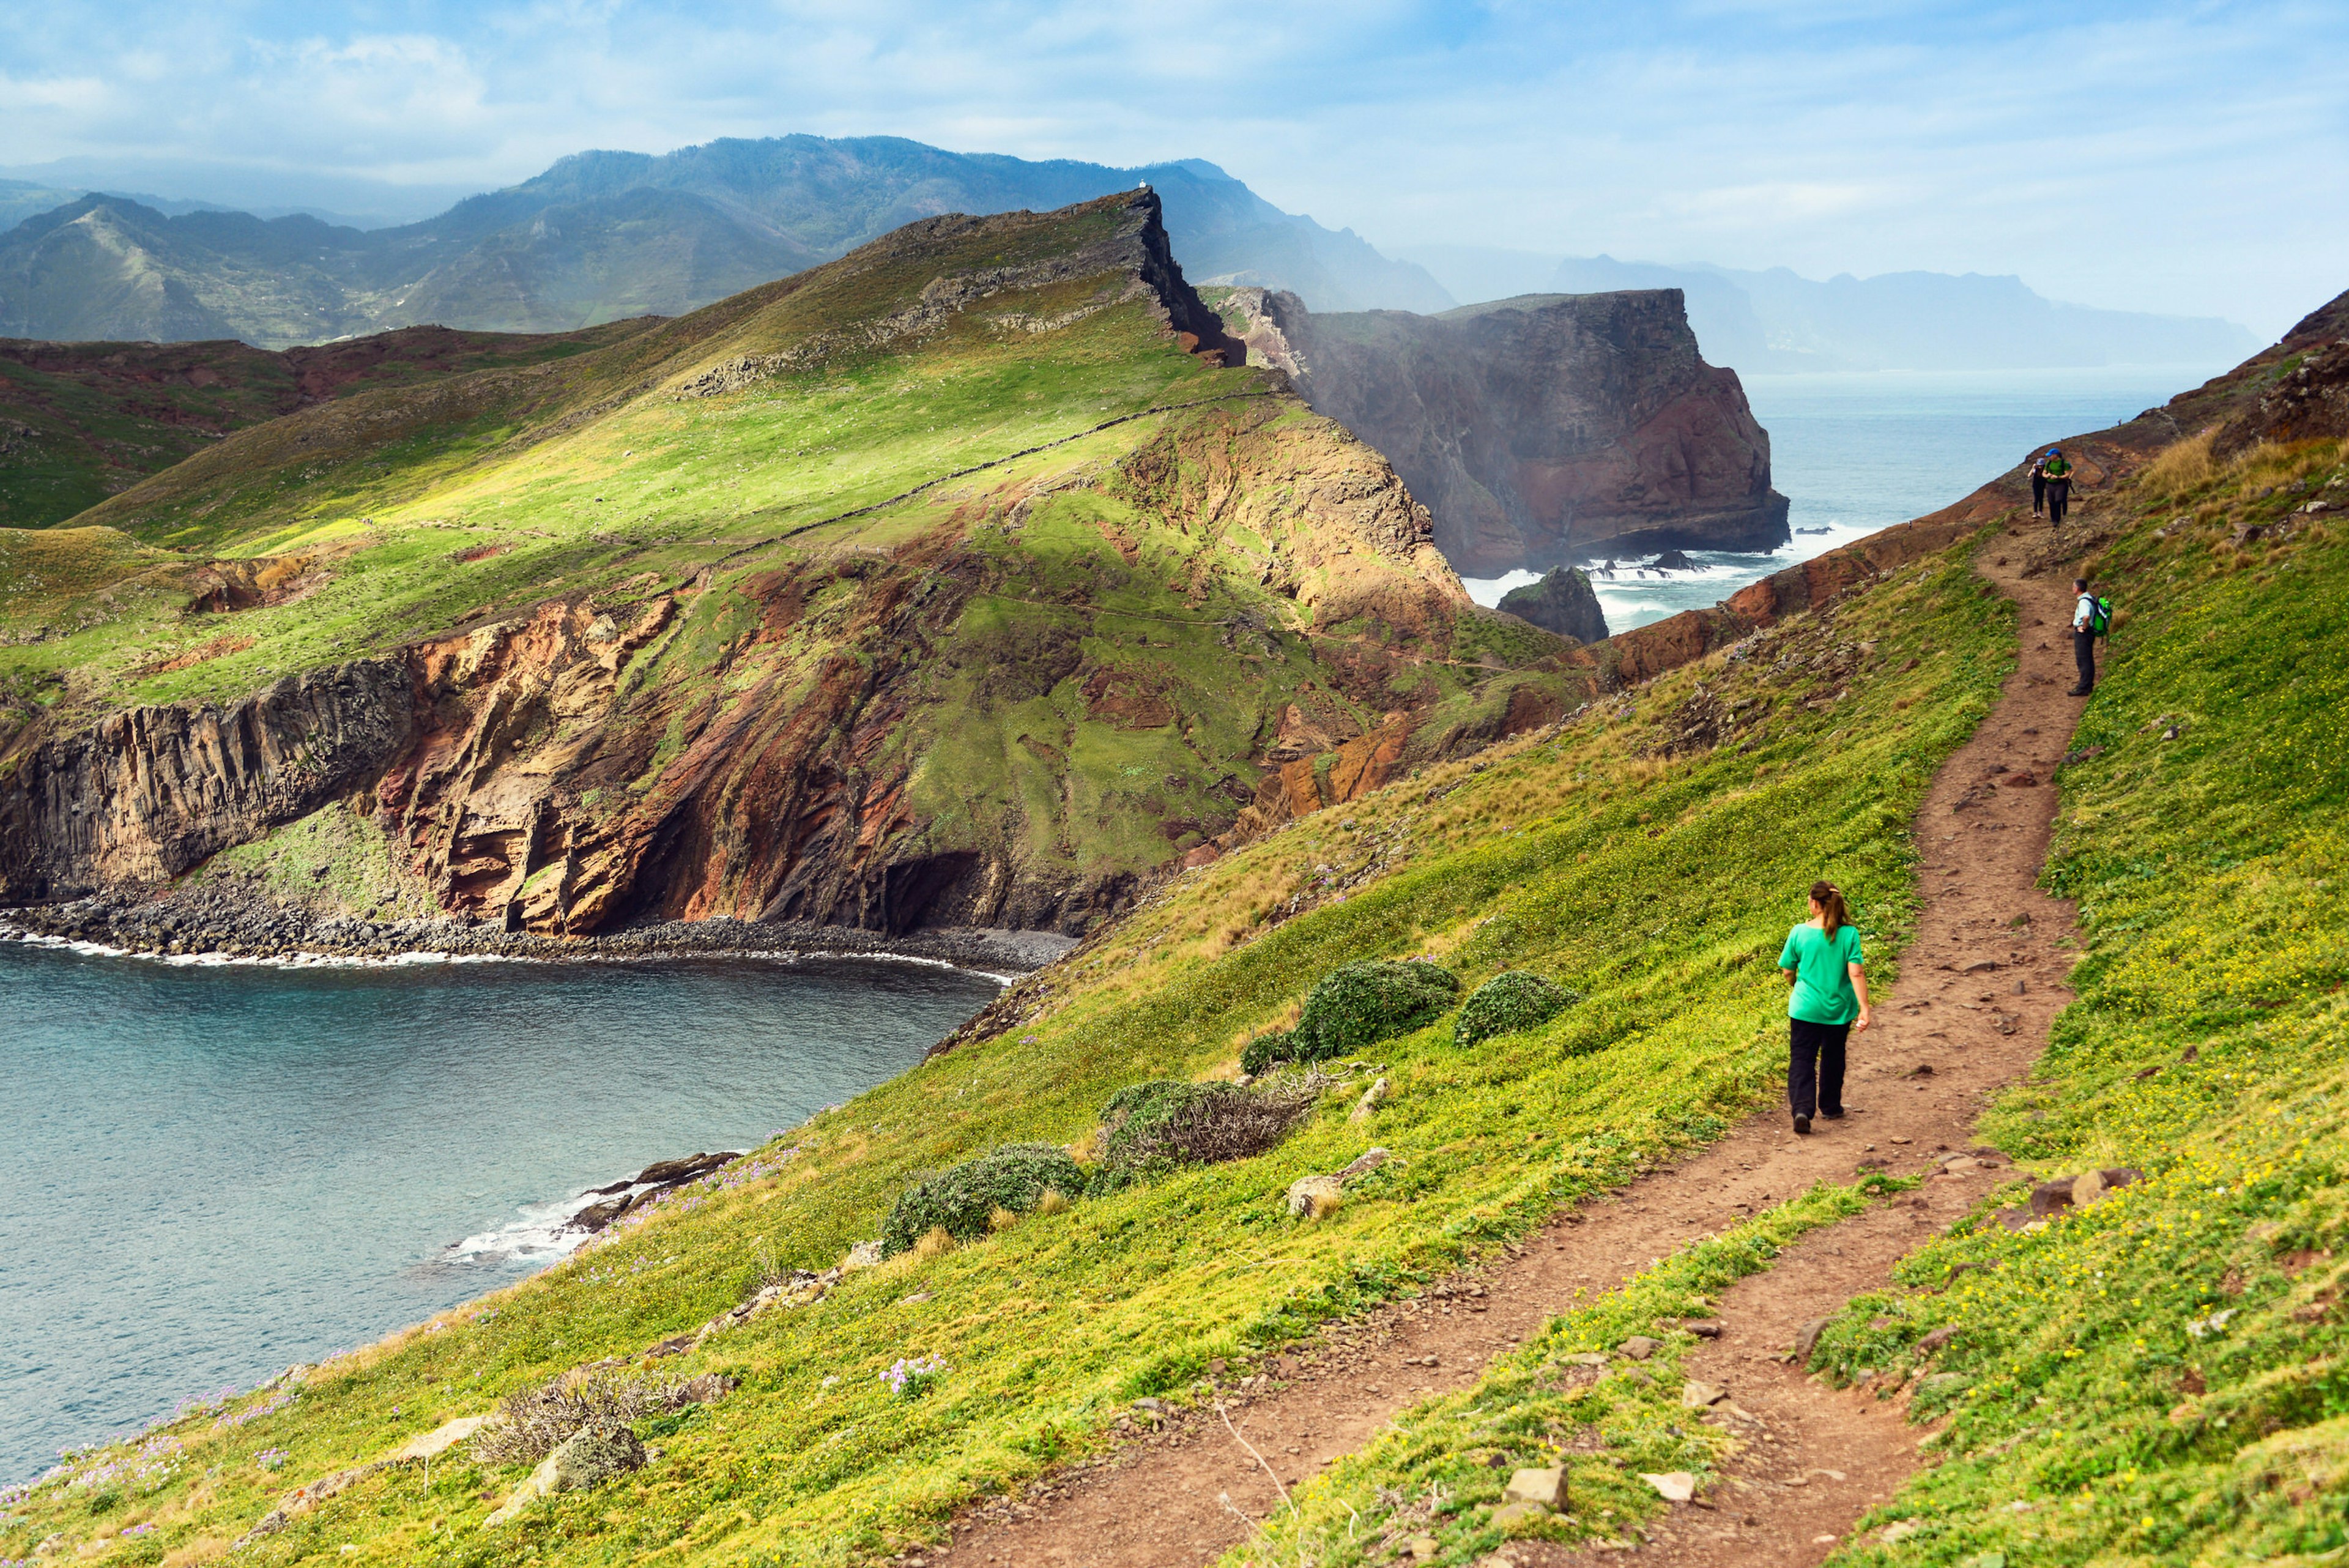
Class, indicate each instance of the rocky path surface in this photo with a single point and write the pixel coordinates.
(1979, 986)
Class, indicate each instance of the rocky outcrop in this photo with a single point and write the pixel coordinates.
(1562, 602)
(146, 794)
(1543, 430)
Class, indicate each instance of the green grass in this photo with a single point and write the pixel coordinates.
(83, 421)
(1661, 889)
(2088, 1381)
(815, 522)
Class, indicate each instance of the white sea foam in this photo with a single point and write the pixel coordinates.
(433, 956)
(539, 1233)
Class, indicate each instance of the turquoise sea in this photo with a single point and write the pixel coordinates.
(210, 1171)
(1855, 452)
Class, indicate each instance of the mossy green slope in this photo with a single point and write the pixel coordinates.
(1659, 888)
(2157, 1378)
(80, 421)
(947, 555)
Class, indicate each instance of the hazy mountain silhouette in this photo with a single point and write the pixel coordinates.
(1776, 321)
(604, 236)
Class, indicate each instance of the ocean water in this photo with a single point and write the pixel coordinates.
(1855, 451)
(207, 1173)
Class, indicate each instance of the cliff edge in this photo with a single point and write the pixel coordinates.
(1539, 430)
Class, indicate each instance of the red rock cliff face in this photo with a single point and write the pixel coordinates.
(1541, 430)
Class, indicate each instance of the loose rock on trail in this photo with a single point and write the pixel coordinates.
(1979, 984)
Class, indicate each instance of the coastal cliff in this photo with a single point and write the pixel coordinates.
(1539, 430)
(970, 581)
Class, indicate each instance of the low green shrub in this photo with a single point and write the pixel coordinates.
(1512, 1000)
(1165, 1123)
(960, 1200)
(1265, 1050)
(1357, 1005)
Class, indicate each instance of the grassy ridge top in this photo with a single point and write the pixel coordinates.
(412, 509)
(957, 529)
(81, 421)
(1660, 886)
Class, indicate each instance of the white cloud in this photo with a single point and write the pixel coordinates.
(2173, 155)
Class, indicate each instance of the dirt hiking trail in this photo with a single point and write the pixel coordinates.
(1971, 1013)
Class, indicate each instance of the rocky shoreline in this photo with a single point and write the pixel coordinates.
(214, 921)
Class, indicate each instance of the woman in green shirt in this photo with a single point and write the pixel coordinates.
(1822, 962)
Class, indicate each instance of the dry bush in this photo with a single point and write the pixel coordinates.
(1052, 1202)
(2181, 466)
(203, 1549)
(935, 1242)
(538, 1419)
(999, 1219)
(1156, 1125)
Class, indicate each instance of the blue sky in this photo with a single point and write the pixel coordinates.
(2188, 158)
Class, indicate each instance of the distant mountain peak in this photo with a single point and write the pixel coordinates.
(602, 234)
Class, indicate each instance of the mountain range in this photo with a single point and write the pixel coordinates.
(602, 236)
(1776, 321)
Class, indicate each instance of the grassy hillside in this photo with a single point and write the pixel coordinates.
(2161, 1377)
(1658, 885)
(2156, 1378)
(80, 421)
(940, 583)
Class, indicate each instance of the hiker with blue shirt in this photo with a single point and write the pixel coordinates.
(1822, 964)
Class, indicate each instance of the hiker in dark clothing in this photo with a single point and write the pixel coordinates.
(2039, 486)
(2058, 472)
(1827, 1001)
(2089, 617)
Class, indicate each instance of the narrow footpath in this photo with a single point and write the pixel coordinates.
(1980, 985)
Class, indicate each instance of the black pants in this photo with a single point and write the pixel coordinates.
(2059, 501)
(2084, 654)
(2038, 493)
(1815, 1067)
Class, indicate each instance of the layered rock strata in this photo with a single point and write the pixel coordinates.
(1539, 430)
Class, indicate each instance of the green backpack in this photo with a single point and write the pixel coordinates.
(2100, 617)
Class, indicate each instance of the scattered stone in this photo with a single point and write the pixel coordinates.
(1938, 1338)
(1672, 1486)
(1319, 1194)
(1419, 1548)
(1546, 1488)
(1806, 1339)
(1639, 1347)
(1369, 1104)
(864, 1255)
(1899, 1529)
(1700, 1396)
(1980, 966)
(1702, 1328)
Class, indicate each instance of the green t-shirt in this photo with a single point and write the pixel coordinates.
(1823, 992)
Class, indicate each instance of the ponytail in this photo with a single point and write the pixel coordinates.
(1832, 914)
